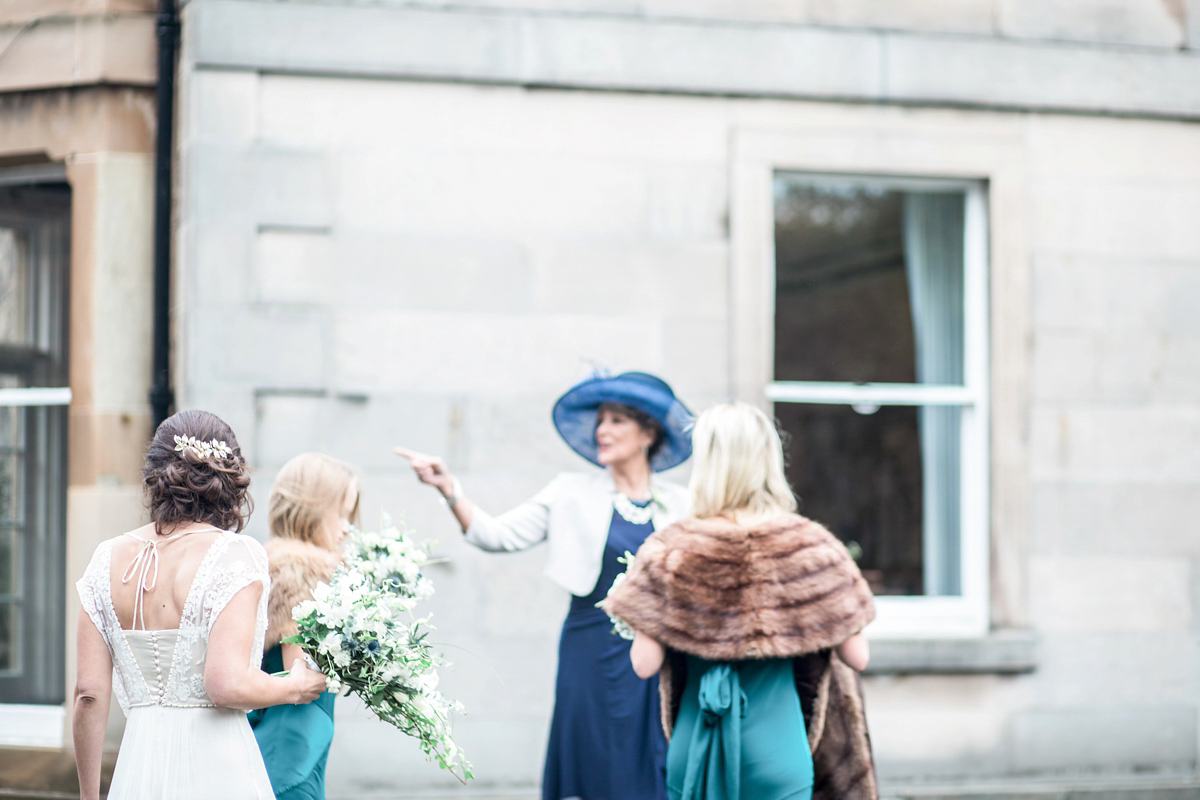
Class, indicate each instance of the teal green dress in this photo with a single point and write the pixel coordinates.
(739, 734)
(294, 740)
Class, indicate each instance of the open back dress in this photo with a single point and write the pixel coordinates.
(178, 745)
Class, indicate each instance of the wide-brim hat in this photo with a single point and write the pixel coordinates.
(575, 414)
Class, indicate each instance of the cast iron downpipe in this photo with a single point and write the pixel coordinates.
(162, 396)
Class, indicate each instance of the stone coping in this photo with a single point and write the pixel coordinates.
(704, 57)
(1002, 651)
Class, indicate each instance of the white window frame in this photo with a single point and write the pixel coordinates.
(965, 614)
(21, 724)
(756, 158)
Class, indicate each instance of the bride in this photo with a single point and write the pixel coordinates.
(172, 622)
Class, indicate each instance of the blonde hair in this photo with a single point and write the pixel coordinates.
(737, 465)
(307, 487)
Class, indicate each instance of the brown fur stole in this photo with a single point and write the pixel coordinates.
(296, 568)
(783, 588)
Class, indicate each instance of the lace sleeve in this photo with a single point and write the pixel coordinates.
(93, 589)
(242, 563)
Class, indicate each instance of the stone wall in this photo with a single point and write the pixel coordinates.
(369, 261)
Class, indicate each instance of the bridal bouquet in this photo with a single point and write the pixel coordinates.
(359, 629)
(620, 627)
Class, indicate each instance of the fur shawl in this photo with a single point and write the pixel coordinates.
(296, 568)
(783, 588)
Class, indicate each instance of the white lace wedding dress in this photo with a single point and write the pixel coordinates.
(177, 744)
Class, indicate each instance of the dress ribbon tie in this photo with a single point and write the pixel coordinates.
(714, 764)
(145, 567)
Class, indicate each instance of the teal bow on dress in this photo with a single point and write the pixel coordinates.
(714, 760)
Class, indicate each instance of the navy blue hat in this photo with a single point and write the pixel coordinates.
(575, 414)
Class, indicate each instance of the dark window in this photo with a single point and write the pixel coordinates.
(869, 291)
(34, 260)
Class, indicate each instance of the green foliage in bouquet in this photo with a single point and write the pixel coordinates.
(360, 631)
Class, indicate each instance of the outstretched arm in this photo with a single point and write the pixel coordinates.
(229, 677)
(518, 529)
(93, 693)
(432, 470)
(855, 651)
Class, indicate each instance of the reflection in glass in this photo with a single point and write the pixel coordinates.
(8, 561)
(8, 638)
(862, 476)
(870, 289)
(14, 287)
(34, 257)
(868, 283)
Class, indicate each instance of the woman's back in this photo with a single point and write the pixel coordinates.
(177, 563)
(154, 600)
(740, 733)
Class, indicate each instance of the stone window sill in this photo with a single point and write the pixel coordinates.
(1009, 651)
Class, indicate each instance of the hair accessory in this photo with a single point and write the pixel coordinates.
(213, 449)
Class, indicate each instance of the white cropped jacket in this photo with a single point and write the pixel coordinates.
(573, 514)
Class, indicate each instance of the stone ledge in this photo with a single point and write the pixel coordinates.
(1112, 788)
(611, 53)
(117, 49)
(1003, 651)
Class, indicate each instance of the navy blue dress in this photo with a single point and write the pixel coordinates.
(606, 741)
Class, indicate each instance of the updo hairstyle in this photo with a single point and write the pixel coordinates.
(188, 486)
(306, 489)
(645, 421)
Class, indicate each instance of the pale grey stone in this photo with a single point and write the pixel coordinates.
(697, 348)
(258, 185)
(293, 266)
(1078, 669)
(1110, 594)
(1116, 518)
(289, 349)
(1115, 443)
(1116, 296)
(1105, 736)
(691, 57)
(491, 353)
(640, 279)
(1000, 652)
(1134, 222)
(450, 273)
(1101, 21)
(223, 106)
(1066, 365)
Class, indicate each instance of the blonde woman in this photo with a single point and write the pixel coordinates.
(313, 503)
(753, 616)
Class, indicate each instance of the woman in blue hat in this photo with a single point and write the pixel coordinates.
(606, 740)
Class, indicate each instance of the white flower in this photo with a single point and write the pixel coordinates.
(421, 705)
(331, 643)
(363, 634)
(304, 608)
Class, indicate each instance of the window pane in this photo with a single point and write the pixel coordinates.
(870, 479)
(868, 283)
(14, 287)
(10, 489)
(8, 636)
(8, 561)
(34, 256)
